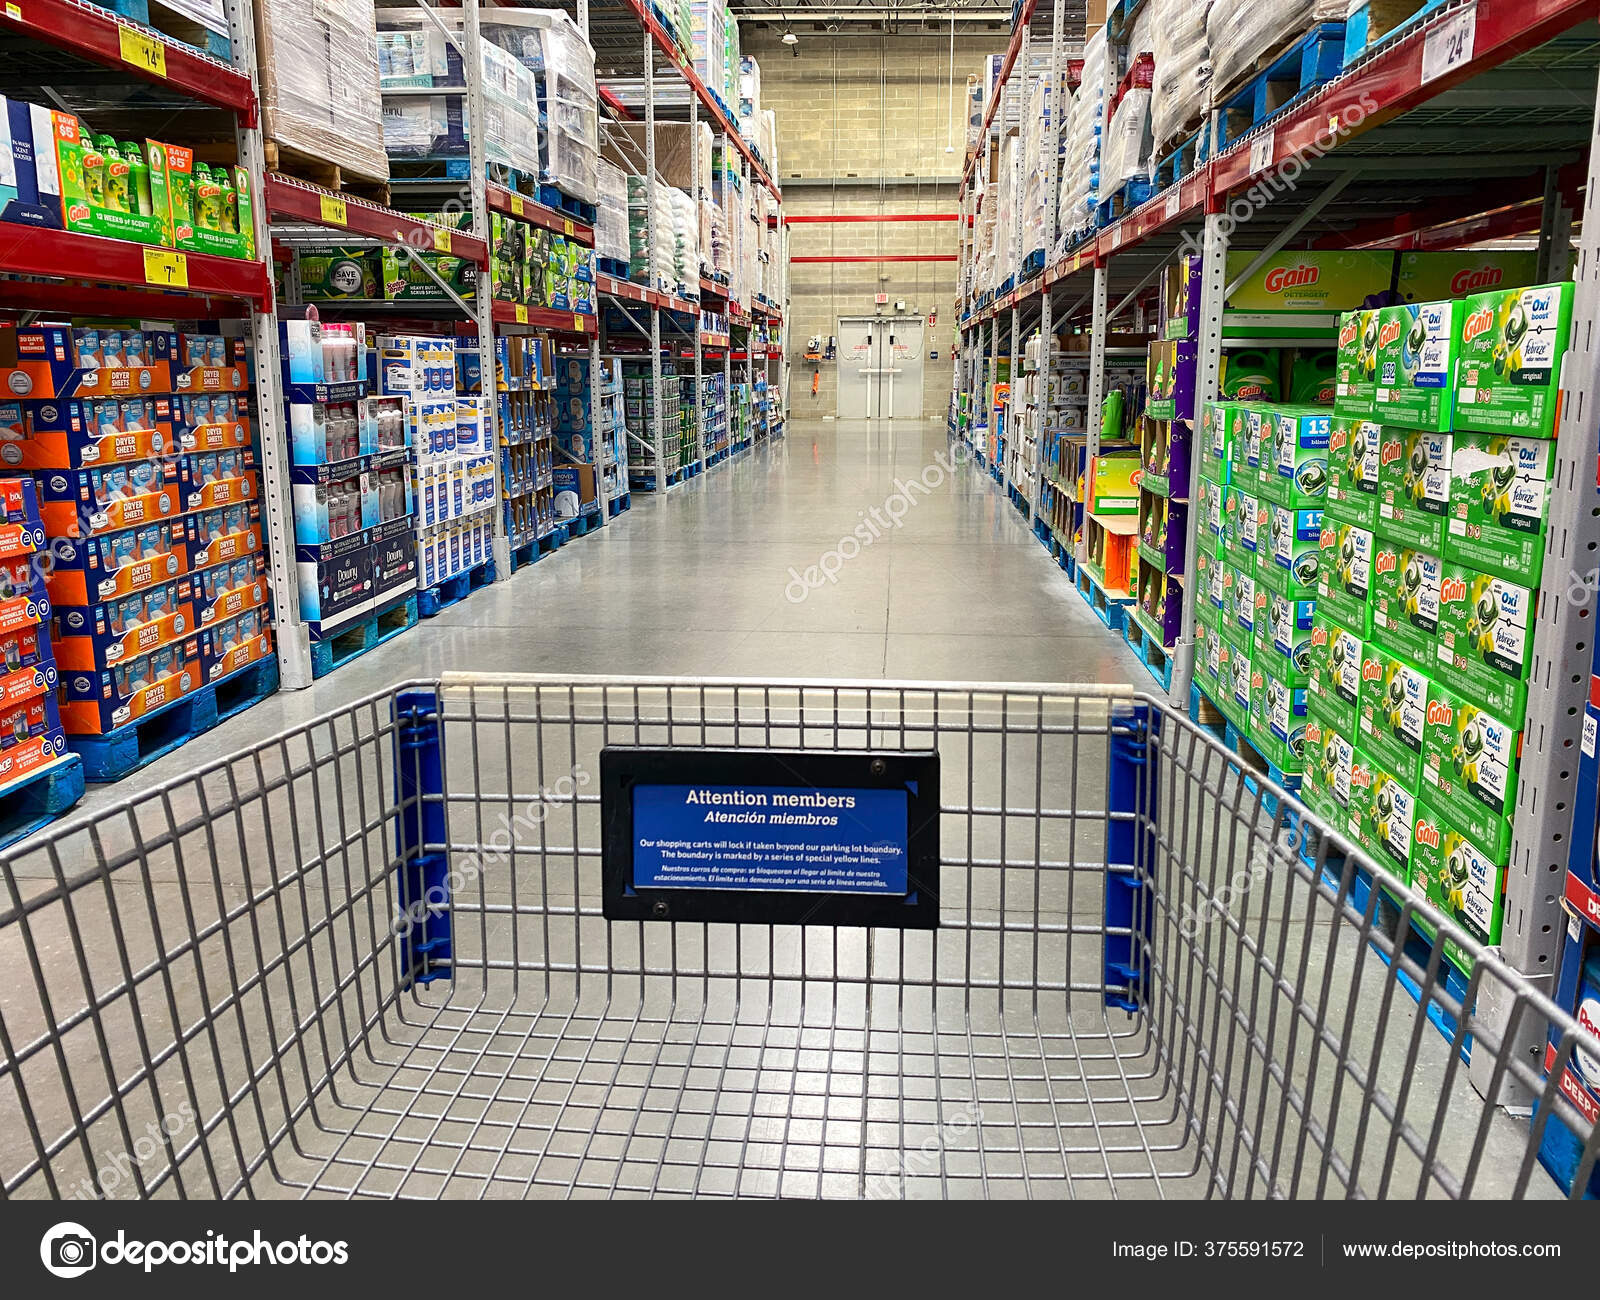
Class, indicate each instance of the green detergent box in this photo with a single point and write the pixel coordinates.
(1405, 601)
(1344, 577)
(1289, 555)
(1508, 372)
(1334, 684)
(1500, 504)
(1244, 523)
(1469, 770)
(1358, 801)
(1241, 607)
(1462, 273)
(1278, 719)
(1394, 712)
(1485, 645)
(1255, 420)
(1330, 755)
(1216, 424)
(1356, 366)
(1239, 692)
(1462, 879)
(1282, 630)
(1414, 470)
(1294, 465)
(1417, 346)
(1389, 819)
(1353, 477)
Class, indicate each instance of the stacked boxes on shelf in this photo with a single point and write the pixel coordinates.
(451, 459)
(142, 449)
(1441, 454)
(526, 424)
(355, 539)
(31, 735)
(642, 405)
(589, 437)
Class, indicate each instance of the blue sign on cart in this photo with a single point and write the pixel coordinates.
(775, 836)
(770, 837)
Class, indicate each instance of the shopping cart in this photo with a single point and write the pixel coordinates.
(369, 958)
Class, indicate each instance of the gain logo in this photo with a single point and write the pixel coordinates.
(68, 1250)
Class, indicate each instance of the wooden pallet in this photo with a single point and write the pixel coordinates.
(299, 165)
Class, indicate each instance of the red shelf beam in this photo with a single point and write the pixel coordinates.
(97, 35)
(884, 257)
(557, 322)
(841, 218)
(1012, 50)
(59, 254)
(295, 200)
(537, 214)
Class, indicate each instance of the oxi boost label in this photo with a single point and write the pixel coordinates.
(1508, 373)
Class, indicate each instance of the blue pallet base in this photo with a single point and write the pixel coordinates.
(536, 548)
(615, 267)
(1033, 264)
(1182, 160)
(583, 525)
(249, 686)
(1110, 610)
(432, 601)
(1314, 59)
(34, 801)
(354, 641)
(1041, 530)
(1128, 196)
(1154, 657)
(577, 209)
(617, 506)
(1358, 37)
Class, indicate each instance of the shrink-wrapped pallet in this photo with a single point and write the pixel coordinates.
(1183, 72)
(319, 82)
(611, 209)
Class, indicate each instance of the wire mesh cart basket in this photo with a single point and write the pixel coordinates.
(374, 957)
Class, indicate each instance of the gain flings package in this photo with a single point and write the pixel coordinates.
(1282, 630)
(1244, 526)
(1394, 712)
(1288, 551)
(1329, 758)
(1414, 471)
(1469, 770)
(1500, 504)
(1389, 820)
(1417, 345)
(1278, 723)
(1353, 472)
(1214, 430)
(1508, 372)
(1344, 577)
(1406, 585)
(1463, 880)
(1486, 639)
(1335, 682)
(1356, 366)
(1294, 466)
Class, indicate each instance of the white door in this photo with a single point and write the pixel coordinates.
(880, 368)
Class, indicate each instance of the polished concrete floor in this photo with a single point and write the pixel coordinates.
(702, 583)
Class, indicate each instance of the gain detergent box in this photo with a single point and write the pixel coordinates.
(1239, 690)
(1334, 685)
(1282, 630)
(1353, 477)
(1469, 770)
(1294, 468)
(1278, 720)
(1356, 366)
(1462, 879)
(1414, 471)
(1486, 639)
(1314, 791)
(1358, 800)
(1344, 577)
(1417, 345)
(1405, 601)
(1508, 372)
(1389, 820)
(1394, 713)
(1241, 610)
(1244, 527)
(1289, 556)
(1500, 504)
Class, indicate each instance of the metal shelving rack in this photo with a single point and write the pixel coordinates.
(1406, 149)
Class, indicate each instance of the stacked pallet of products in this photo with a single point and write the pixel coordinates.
(643, 410)
(524, 380)
(593, 440)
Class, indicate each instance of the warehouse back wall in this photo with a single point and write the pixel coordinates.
(862, 125)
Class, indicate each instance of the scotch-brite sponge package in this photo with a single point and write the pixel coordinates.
(319, 82)
(1183, 70)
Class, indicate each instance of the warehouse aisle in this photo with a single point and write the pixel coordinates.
(949, 584)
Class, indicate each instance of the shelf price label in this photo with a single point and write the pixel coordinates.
(142, 51)
(578, 324)
(441, 240)
(518, 207)
(1172, 203)
(165, 268)
(14, 12)
(1449, 43)
(522, 314)
(1261, 151)
(334, 212)
(567, 224)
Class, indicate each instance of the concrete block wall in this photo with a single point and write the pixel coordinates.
(860, 111)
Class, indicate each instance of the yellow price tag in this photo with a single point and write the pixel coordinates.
(334, 212)
(165, 268)
(144, 52)
(568, 224)
(522, 314)
(14, 11)
(441, 240)
(518, 207)
(578, 324)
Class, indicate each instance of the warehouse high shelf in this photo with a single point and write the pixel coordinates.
(1406, 148)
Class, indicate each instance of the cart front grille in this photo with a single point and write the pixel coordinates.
(1151, 977)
